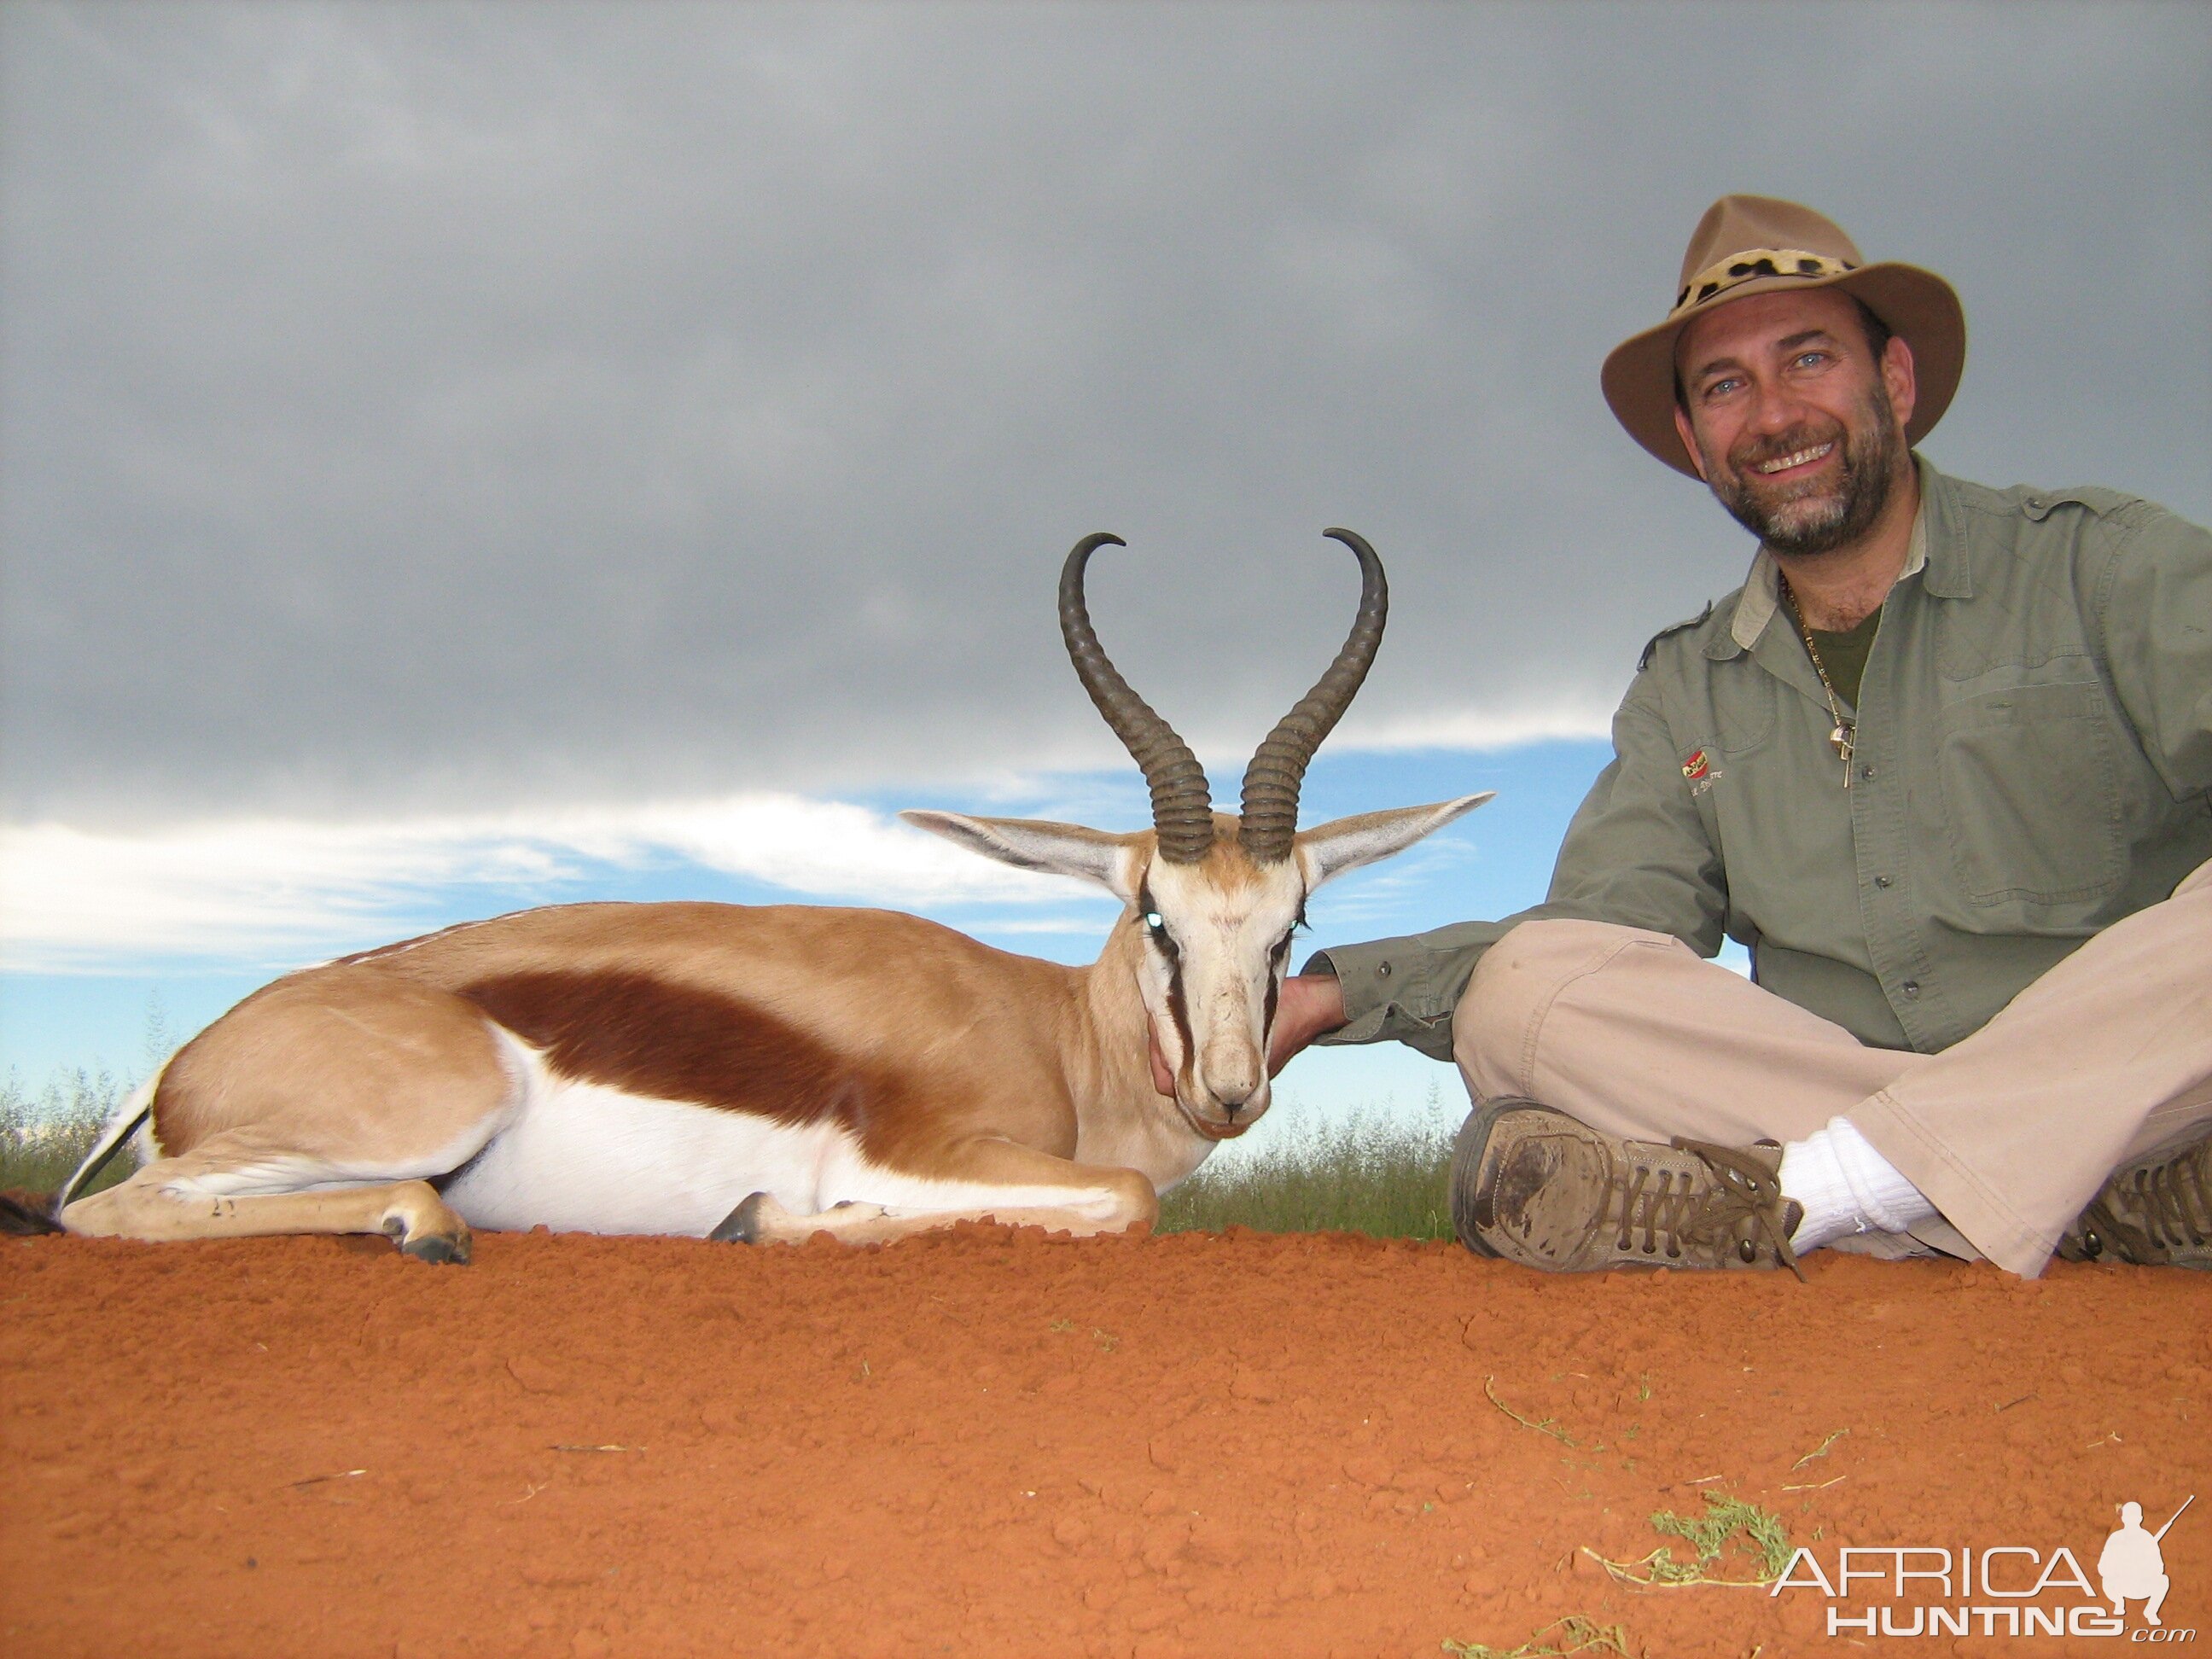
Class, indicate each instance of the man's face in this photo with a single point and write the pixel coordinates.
(1792, 420)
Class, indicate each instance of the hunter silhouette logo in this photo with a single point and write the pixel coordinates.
(2132, 1566)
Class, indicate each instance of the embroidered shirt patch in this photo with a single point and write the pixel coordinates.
(1701, 772)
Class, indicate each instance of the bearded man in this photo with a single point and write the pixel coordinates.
(1943, 763)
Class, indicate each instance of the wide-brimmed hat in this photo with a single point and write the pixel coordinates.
(1747, 245)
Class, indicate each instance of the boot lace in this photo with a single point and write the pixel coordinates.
(1741, 1207)
(2172, 1200)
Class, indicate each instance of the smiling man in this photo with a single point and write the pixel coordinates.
(1943, 763)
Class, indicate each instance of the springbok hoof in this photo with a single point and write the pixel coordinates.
(743, 1225)
(437, 1248)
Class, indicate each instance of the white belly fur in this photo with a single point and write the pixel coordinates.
(582, 1157)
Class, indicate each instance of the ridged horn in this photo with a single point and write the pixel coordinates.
(1182, 805)
(1272, 782)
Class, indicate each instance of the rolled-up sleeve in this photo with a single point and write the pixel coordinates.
(1636, 853)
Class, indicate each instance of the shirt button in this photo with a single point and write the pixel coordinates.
(1911, 988)
(1882, 881)
(1867, 772)
(1382, 970)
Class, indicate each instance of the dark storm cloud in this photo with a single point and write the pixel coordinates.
(434, 407)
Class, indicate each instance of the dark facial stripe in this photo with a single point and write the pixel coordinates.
(648, 1036)
(1181, 1015)
(1178, 1010)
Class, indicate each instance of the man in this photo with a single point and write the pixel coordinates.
(1943, 763)
(2132, 1567)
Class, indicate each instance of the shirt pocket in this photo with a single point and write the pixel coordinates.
(2031, 790)
(1743, 710)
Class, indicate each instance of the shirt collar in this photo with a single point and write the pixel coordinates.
(1946, 578)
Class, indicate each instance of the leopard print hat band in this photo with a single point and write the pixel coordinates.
(1740, 268)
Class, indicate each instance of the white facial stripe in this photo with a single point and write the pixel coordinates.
(1230, 955)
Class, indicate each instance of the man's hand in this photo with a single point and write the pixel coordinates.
(1310, 1005)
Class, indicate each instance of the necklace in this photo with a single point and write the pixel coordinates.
(1846, 734)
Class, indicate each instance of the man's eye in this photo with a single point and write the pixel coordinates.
(1806, 357)
(1721, 388)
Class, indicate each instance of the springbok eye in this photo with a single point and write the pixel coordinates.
(1156, 925)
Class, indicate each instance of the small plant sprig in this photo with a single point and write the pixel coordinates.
(1758, 1533)
(1576, 1635)
(1820, 1450)
(1550, 1426)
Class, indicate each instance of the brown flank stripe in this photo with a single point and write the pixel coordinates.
(648, 1036)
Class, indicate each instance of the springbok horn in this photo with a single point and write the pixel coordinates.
(1270, 811)
(1182, 805)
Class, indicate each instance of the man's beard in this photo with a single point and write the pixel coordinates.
(1810, 524)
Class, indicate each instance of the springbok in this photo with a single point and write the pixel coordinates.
(768, 1073)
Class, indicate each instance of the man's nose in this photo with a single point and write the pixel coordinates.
(1774, 406)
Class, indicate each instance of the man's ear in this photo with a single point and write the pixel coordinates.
(1330, 849)
(1900, 379)
(1690, 441)
(1066, 849)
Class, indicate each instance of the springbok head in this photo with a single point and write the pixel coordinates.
(1215, 896)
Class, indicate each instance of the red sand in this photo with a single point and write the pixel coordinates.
(984, 1442)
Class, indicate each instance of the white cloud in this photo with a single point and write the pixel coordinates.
(1490, 726)
(289, 889)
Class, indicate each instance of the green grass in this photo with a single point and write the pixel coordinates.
(1370, 1173)
(44, 1136)
(1367, 1174)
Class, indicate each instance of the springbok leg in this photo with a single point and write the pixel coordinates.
(977, 1180)
(177, 1198)
(320, 1105)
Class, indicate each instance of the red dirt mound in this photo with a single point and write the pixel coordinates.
(987, 1442)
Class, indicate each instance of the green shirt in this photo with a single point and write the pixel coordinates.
(1843, 654)
(2033, 763)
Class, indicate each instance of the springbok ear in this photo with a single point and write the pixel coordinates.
(1330, 849)
(1066, 849)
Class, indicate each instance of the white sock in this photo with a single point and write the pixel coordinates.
(1846, 1187)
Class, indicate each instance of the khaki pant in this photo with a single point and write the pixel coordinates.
(2008, 1133)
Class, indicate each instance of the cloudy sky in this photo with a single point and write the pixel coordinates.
(454, 456)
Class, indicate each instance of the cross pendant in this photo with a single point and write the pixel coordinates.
(1842, 738)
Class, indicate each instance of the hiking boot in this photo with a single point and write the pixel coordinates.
(1535, 1187)
(2154, 1212)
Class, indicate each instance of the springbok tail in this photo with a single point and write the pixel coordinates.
(120, 1127)
(24, 1215)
